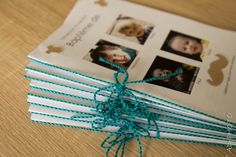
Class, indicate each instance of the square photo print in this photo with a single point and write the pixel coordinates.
(114, 53)
(183, 82)
(131, 29)
(185, 45)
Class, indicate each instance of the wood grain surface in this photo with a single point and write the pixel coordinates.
(26, 23)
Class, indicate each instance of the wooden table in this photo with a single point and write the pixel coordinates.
(26, 23)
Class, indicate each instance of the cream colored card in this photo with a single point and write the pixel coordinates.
(148, 43)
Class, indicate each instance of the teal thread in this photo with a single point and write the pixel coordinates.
(128, 135)
(84, 105)
(150, 106)
(87, 115)
(141, 135)
(59, 100)
(142, 93)
(29, 68)
(112, 111)
(90, 100)
(104, 131)
(104, 95)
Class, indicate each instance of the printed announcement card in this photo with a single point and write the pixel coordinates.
(149, 43)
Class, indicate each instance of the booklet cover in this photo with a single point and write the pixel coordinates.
(149, 43)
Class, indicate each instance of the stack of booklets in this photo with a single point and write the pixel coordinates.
(197, 105)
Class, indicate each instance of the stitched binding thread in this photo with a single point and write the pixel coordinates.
(121, 108)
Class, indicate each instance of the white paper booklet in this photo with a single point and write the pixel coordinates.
(149, 43)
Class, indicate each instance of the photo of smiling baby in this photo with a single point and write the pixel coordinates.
(183, 82)
(185, 45)
(113, 53)
(132, 29)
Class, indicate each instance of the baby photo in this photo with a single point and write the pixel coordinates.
(132, 29)
(183, 82)
(113, 53)
(185, 45)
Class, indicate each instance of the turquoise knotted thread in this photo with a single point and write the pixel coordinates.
(120, 110)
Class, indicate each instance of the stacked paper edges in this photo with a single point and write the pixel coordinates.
(60, 96)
